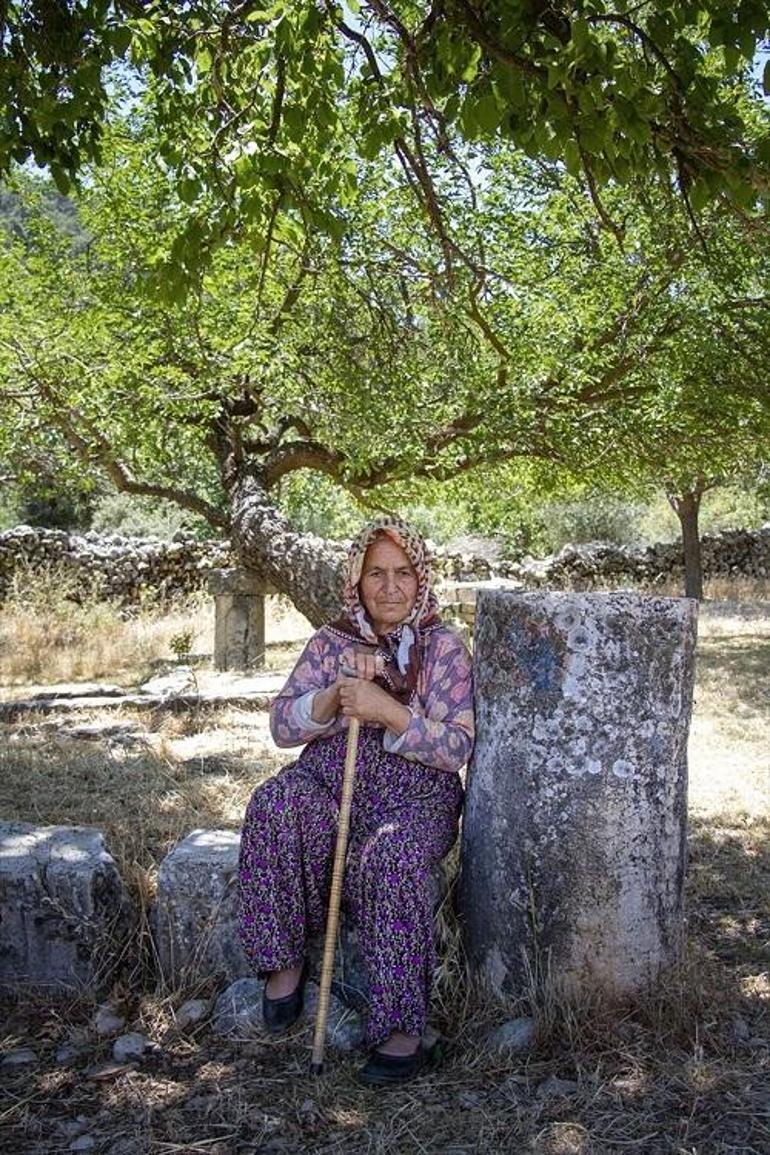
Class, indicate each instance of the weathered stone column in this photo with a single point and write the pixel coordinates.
(575, 819)
(239, 618)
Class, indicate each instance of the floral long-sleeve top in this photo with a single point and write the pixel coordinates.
(441, 731)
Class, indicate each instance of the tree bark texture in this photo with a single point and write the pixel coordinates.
(308, 569)
(574, 833)
(687, 508)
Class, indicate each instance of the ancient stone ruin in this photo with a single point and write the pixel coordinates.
(574, 830)
(575, 821)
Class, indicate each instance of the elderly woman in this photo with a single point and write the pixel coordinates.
(391, 663)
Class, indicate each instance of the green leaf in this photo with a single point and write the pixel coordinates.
(189, 189)
(121, 37)
(572, 158)
(61, 179)
(471, 69)
(699, 194)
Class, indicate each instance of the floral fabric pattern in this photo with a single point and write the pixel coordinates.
(403, 821)
(441, 731)
(406, 805)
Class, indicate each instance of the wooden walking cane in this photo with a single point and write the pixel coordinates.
(335, 898)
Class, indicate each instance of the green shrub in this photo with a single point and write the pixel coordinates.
(133, 516)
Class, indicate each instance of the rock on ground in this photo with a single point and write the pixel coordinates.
(512, 1037)
(63, 908)
(195, 914)
(129, 1047)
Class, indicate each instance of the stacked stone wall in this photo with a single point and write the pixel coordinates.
(735, 553)
(125, 569)
(130, 569)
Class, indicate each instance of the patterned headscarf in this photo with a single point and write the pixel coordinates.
(402, 647)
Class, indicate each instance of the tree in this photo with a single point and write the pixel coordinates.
(357, 158)
(266, 112)
(352, 357)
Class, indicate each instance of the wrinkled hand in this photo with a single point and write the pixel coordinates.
(360, 698)
(361, 664)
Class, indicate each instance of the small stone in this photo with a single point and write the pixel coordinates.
(69, 1053)
(740, 1030)
(20, 1057)
(83, 1143)
(513, 1037)
(191, 1013)
(107, 1021)
(344, 1026)
(238, 1010)
(179, 681)
(554, 1088)
(129, 1047)
(470, 1100)
(71, 1128)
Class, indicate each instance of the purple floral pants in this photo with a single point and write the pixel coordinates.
(403, 821)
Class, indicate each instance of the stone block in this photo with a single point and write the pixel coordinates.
(63, 908)
(239, 619)
(195, 916)
(195, 920)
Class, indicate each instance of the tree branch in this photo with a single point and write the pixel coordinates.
(93, 447)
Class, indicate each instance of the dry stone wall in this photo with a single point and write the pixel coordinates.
(733, 553)
(130, 569)
(126, 569)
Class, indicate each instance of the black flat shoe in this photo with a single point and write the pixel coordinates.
(279, 1015)
(389, 1070)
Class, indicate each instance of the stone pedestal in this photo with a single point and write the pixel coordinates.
(574, 831)
(63, 908)
(195, 912)
(195, 919)
(239, 618)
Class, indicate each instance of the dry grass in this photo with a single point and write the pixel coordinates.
(49, 633)
(683, 1072)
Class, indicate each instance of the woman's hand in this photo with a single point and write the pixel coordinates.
(362, 699)
(355, 695)
(366, 664)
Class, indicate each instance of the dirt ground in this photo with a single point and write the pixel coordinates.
(685, 1071)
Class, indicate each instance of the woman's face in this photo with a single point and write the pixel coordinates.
(388, 584)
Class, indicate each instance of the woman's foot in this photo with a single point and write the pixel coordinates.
(282, 983)
(397, 1060)
(400, 1045)
(282, 999)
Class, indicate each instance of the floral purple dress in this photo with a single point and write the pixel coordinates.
(406, 806)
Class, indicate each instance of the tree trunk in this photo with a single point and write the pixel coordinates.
(308, 569)
(687, 507)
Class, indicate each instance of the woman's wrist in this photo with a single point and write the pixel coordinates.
(325, 705)
(396, 717)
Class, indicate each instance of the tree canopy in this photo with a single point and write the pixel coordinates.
(390, 244)
(266, 112)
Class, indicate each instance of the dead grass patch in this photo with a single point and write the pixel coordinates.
(51, 632)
